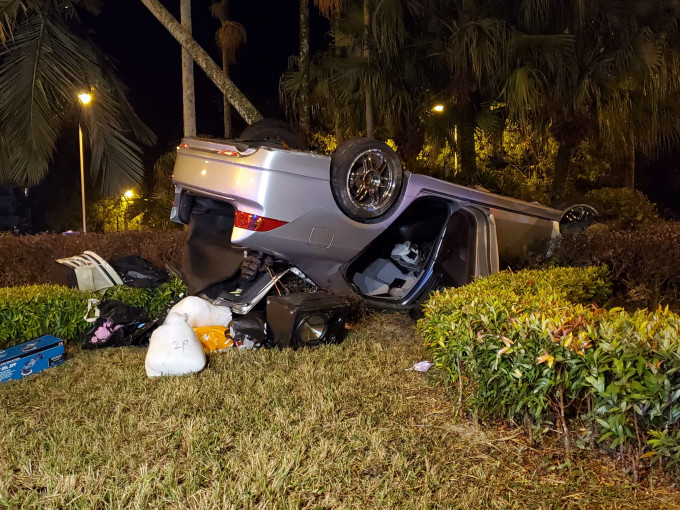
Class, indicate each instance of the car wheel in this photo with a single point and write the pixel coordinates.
(366, 178)
(273, 130)
(577, 217)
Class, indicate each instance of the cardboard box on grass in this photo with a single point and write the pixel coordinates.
(18, 361)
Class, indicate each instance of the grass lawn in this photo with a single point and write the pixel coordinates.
(336, 427)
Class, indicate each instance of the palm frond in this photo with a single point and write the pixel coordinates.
(651, 52)
(524, 92)
(387, 25)
(41, 71)
(5, 162)
(126, 118)
(564, 43)
(9, 11)
(37, 72)
(478, 50)
(537, 12)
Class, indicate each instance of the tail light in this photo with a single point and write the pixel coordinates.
(256, 223)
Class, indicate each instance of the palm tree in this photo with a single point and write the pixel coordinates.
(230, 36)
(617, 72)
(351, 88)
(329, 9)
(44, 64)
(476, 56)
(640, 114)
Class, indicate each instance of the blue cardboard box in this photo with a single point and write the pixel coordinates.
(30, 357)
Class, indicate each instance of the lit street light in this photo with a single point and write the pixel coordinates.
(126, 197)
(85, 99)
(439, 108)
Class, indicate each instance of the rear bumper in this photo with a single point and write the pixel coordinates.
(279, 184)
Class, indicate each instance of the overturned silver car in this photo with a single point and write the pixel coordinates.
(353, 223)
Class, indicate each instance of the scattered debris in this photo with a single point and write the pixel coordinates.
(214, 338)
(118, 324)
(88, 271)
(421, 366)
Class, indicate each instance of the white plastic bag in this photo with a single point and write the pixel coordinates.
(174, 349)
(200, 313)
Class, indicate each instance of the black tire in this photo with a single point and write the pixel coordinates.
(366, 179)
(578, 213)
(275, 131)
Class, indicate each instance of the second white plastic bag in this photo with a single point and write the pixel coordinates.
(200, 313)
(174, 349)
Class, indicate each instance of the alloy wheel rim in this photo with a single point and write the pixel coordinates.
(371, 181)
(578, 214)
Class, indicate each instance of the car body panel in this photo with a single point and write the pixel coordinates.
(320, 240)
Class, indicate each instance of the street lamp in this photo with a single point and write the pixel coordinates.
(126, 197)
(85, 99)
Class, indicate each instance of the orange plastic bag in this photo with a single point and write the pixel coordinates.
(214, 338)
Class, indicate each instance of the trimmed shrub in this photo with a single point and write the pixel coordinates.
(624, 207)
(26, 260)
(642, 264)
(153, 300)
(34, 310)
(632, 374)
(492, 331)
(528, 344)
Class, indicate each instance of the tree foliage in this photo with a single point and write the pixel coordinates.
(47, 58)
(577, 72)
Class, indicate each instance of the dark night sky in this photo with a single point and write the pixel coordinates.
(148, 59)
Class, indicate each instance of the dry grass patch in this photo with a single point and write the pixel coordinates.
(336, 427)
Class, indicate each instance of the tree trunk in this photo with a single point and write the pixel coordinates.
(370, 123)
(305, 117)
(466, 143)
(562, 168)
(628, 170)
(226, 86)
(188, 95)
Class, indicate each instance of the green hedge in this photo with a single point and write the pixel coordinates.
(623, 207)
(535, 344)
(34, 310)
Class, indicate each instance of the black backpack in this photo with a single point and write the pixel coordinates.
(139, 272)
